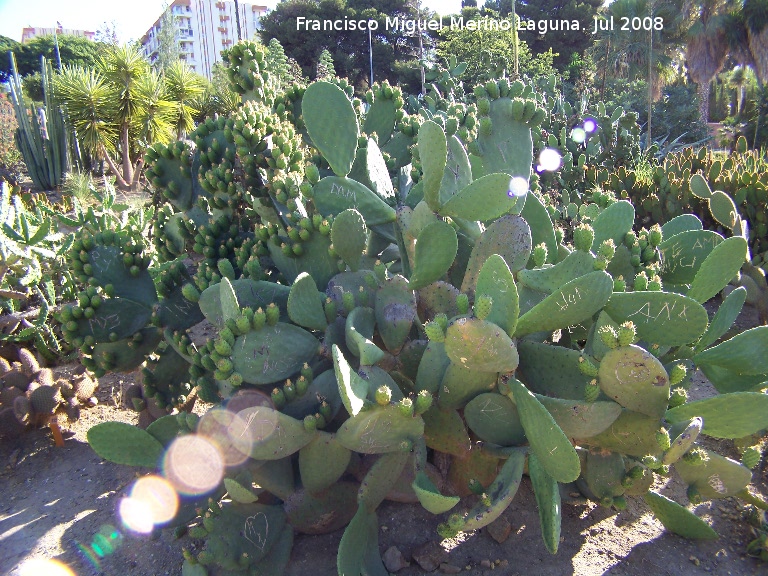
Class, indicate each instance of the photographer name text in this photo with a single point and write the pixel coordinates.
(410, 26)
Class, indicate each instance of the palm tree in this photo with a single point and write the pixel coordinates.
(183, 87)
(707, 45)
(118, 109)
(756, 20)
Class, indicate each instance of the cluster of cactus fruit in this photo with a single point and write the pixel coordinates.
(29, 396)
(368, 325)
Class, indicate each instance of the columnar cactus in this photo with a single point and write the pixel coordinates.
(372, 321)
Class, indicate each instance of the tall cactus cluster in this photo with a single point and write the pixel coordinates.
(368, 314)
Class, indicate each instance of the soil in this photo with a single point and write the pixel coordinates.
(56, 501)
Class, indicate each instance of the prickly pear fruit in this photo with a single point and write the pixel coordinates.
(750, 457)
(483, 305)
(462, 303)
(423, 401)
(678, 396)
(627, 334)
(434, 331)
(583, 237)
(383, 395)
(608, 336)
(591, 391)
(696, 456)
(587, 368)
(677, 374)
(663, 439)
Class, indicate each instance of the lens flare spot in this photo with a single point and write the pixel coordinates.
(193, 464)
(550, 159)
(590, 124)
(136, 516)
(518, 186)
(160, 495)
(38, 566)
(578, 135)
(215, 426)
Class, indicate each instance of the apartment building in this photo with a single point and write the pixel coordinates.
(203, 29)
(32, 32)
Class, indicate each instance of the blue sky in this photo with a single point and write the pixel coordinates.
(133, 17)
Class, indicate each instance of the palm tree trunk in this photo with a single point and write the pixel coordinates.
(121, 183)
(704, 101)
(125, 144)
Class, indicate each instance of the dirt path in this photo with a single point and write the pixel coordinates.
(55, 501)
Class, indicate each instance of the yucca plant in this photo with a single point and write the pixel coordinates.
(118, 109)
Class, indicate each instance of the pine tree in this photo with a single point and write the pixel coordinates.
(325, 66)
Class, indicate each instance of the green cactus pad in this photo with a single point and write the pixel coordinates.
(570, 304)
(631, 433)
(126, 355)
(305, 304)
(548, 442)
(484, 199)
(376, 377)
(444, 431)
(510, 238)
(322, 462)
(358, 333)
(380, 430)
(165, 429)
(635, 379)
(352, 388)
(430, 497)
(733, 415)
(603, 474)
(494, 418)
(718, 477)
(496, 280)
(381, 478)
(660, 317)
(437, 298)
(239, 493)
(723, 209)
(259, 525)
(509, 146)
(250, 293)
(395, 312)
(576, 264)
(273, 353)
(321, 513)
(267, 434)
(552, 370)
(480, 345)
(682, 441)
(115, 316)
(458, 172)
(678, 519)
(359, 547)
(331, 122)
(315, 259)
(108, 268)
(279, 554)
(125, 444)
(501, 493)
(683, 254)
(323, 386)
(723, 319)
(435, 252)
(542, 230)
(432, 367)
(699, 187)
(722, 264)
(613, 223)
(460, 384)
(177, 313)
(743, 354)
(433, 153)
(333, 195)
(581, 419)
(680, 224)
(274, 476)
(349, 235)
(230, 307)
(381, 118)
(370, 169)
(727, 381)
(547, 493)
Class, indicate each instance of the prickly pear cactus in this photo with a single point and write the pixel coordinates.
(364, 316)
